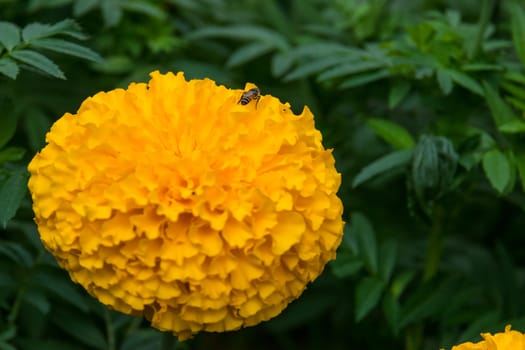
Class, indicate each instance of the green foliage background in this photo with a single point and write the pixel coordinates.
(422, 100)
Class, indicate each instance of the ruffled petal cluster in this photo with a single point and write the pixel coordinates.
(174, 201)
(508, 340)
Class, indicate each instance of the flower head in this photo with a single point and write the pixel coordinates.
(508, 340)
(174, 201)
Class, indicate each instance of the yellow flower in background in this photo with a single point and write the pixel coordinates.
(508, 340)
(176, 201)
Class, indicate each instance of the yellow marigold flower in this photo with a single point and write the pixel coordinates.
(176, 201)
(508, 340)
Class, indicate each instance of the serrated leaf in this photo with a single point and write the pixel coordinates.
(397, 93)
(9, 35)
(367, 295)
(68, 48)
(242, 32)
(386, 163)
(281, 62)
(38, 30)
(13, 187)
(445, 81)
(38, 61)
(501, 112)
(497, 169)
(363, 79)
(11, 154)
(365, 236)
(465, 80)
(8, 67)
(248, 53)
(391, 132)
(517, 15)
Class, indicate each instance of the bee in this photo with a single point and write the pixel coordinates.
(250, 95)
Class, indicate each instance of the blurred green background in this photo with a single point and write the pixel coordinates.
(423, 102)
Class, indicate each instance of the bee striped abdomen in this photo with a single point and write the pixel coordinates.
(250, 95)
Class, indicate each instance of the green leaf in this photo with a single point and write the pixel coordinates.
(367, 295)
(386, 163)
(6, 346)
(38, 30)
(313, 67)
(9, 35)
(242, 32)
(111, 12)
(400, 283)
(513, 127)
(346, 264)
(466, 81)
(17, 253)
(58, 284)
(391, 132)
(8, 67)
(39, 62)
(445, 81)
(497, 169)
(426, 302)
(36, 124)
(145, 8)
(363, 79)
(8, 333)
(308, 307)
(248, 53)
(13, 187)
(78, 325)
(350, 68)
(11, 154)
(9, 121)
(38, 300)
(520, 164)
(68, 48)
(397, 93)
(281, 62)
(501, 112)
(80, 8)
(144, 339)
(517, 15)
(365, 236)
(392, 311)
(387, 259)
